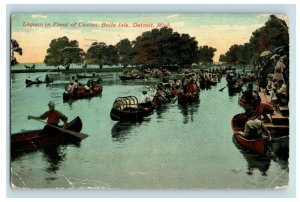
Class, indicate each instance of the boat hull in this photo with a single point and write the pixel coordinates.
(80, 94)
(31, 140)
(258, 146)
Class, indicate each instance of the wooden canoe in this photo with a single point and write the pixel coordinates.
(33, 139)
(258, 146)
(128, 109)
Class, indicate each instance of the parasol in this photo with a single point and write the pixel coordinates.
(265, 53)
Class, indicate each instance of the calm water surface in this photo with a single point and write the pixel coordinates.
(181, 147)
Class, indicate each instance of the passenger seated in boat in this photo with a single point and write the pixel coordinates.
(159, 93)
(254, 128)
(175, 91)
(262, 110)
(191, 87)
(69, 88)
(53, 117)
(47, 78)
(146, 100)
(87, 88)
(37, 79)
(250, 96)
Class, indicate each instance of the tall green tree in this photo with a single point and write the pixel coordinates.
(163, 47)
(15, 48)
(64, 52)
(206, 54)
(273, 34)
(101, 54)
(96, 54)
(125, 52)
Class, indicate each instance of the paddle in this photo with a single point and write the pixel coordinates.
(223, 88)
(76, 134)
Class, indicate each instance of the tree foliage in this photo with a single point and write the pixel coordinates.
(64, 52)
(15, 48)
(125, 52)
(273, 34)
(101, 54)
(163, 47)
(206, 54)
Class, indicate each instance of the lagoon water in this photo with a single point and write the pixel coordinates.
(177, 147)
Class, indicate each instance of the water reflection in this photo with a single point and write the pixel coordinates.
(188, 111)
(120, 131)
(262, 163)
(160, 110)
(54, 155)
(279, 153)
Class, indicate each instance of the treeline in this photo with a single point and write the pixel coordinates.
(155, 48)
(161, 48)
(273, 34)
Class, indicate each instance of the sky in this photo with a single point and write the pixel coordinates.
(34, 31)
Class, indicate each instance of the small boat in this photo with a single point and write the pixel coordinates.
(29, 82)
(184, 98)
(84, 76)
(33, 139)
(124, 78)
(81, 93)
(258, 146)
(128, 109)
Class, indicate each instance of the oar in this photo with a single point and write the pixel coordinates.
(223, 88)
(76, 134)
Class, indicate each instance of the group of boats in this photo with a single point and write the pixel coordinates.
(128, 109)
(277, 127)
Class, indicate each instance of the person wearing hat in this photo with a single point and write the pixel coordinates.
(53, 117)
(146, 100)
(254, 128)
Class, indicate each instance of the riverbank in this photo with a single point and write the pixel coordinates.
(75, 70)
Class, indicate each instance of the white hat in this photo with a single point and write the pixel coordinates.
(51, 103)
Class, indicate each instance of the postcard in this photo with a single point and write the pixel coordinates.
(118, 101)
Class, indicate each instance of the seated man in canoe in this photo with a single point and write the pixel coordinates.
(53, 117)
(254, 128)
(146, 100)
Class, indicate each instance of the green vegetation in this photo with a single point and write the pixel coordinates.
(15, 48)
(273, 34)
(61, 51)
(165, 48)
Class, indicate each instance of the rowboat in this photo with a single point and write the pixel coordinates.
(184, 98)
(81, 93)
(29, 82)
(34, 139)
(258, 146)
(128, 109)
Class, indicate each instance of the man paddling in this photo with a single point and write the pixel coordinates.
(53, 116)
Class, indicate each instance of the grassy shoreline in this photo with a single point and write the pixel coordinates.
(77, 70)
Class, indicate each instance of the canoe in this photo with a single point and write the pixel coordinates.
(128, 109)
(29, 82)
(31, 140)
(258, 146)
(124, 78)
(81, 93)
